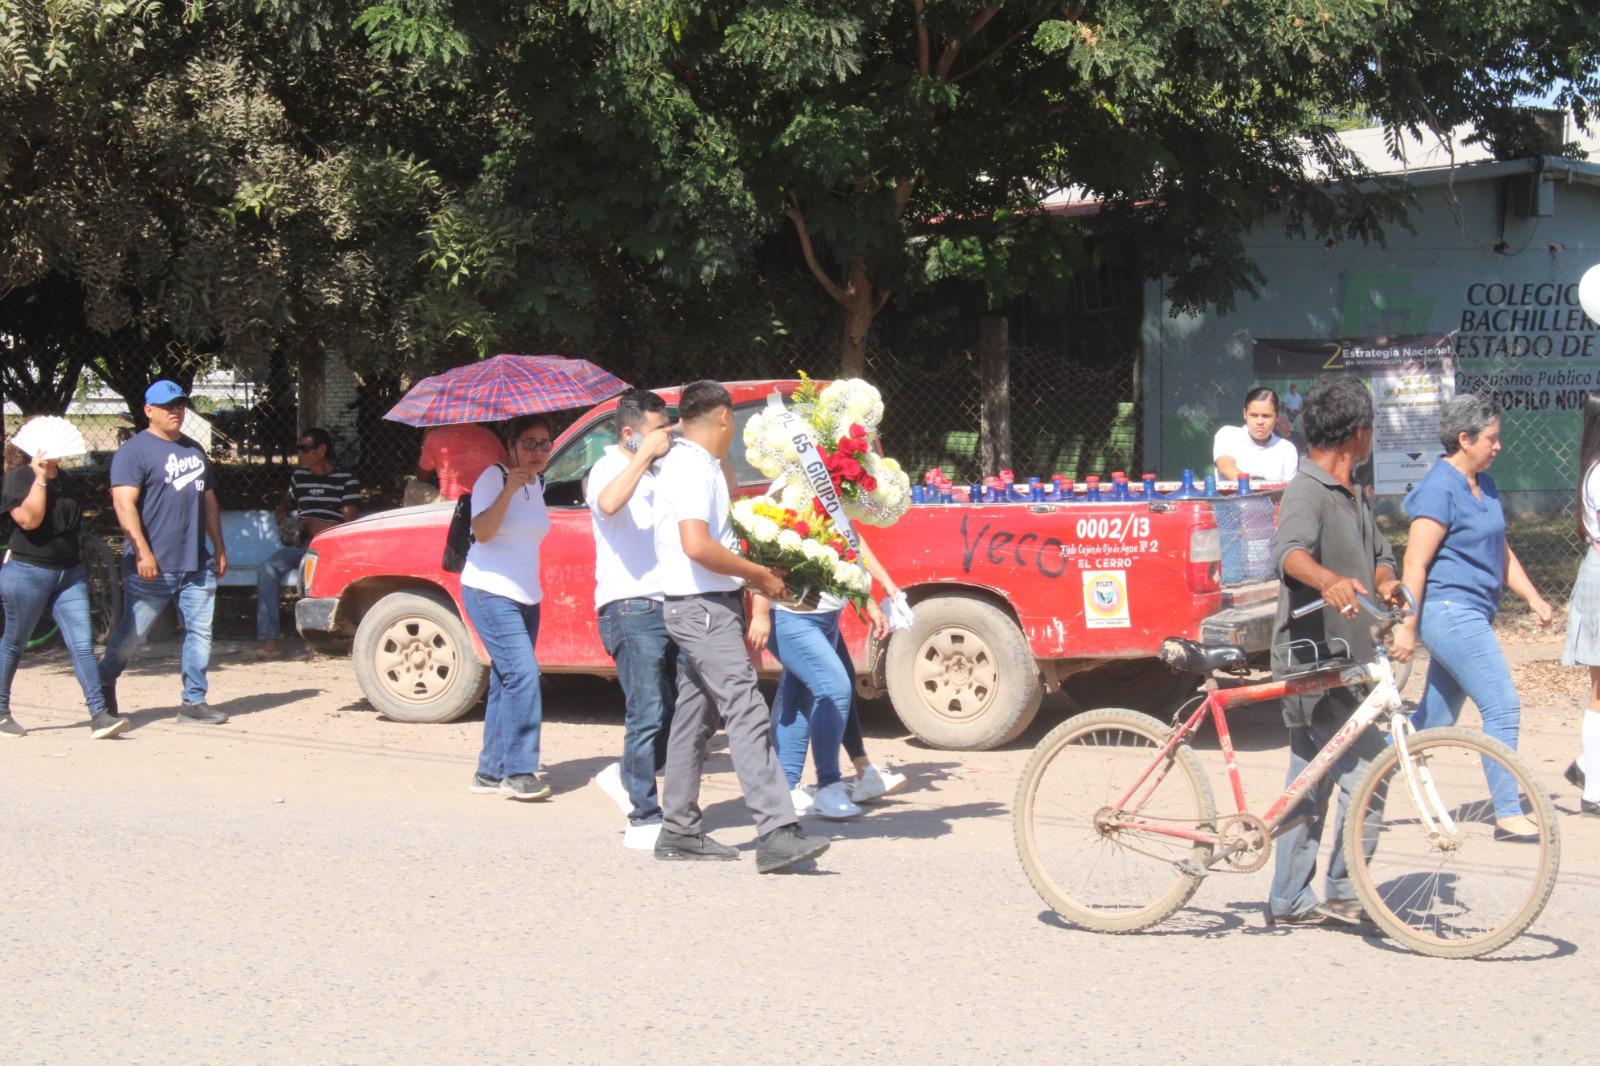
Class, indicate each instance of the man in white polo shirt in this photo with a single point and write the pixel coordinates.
(703, 581)
(627, 598)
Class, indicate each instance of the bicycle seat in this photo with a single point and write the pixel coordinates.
(1192, 657)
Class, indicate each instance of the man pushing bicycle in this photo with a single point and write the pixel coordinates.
(1328, 547)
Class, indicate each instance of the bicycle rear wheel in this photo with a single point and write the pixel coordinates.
(1109, 879)
(102, 570)
(1454, 891)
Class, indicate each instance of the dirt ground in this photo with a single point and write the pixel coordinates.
(311, 883)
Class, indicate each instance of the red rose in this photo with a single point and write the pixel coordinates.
(869, 483)
(744, 546)
(802, 528)
(816, 505)
(858, 431)
(848, 555)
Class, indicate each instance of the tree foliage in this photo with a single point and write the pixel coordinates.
(415, 182)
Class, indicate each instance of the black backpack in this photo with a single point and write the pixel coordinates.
(459, 539)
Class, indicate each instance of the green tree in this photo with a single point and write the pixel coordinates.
(910, 142)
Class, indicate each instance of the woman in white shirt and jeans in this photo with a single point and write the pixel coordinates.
(500, 589)
(1583, 612)
(1254, 448)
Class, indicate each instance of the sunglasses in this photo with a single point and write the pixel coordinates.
(304, 447)
(536, 444)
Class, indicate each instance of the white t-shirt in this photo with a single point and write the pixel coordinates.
(508, 565)
(1292, 402)
(625, 542)
(689, 485)
(825, 602)
(1274, 461)
(1591, 504)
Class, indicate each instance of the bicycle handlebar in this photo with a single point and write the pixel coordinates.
(1382, 614)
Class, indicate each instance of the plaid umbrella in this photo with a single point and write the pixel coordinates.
(504, 387)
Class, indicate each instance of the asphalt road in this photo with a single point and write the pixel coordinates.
(310, 883)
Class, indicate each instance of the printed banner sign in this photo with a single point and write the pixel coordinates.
(1411, 378)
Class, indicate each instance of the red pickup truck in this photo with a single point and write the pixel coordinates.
(1011, 599)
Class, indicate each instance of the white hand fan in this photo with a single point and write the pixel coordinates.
(50, 438)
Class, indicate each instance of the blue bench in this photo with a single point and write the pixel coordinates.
(252, 538)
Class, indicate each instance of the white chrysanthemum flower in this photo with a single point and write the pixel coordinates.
(796, 495)
(813, 550)
(744, 511)
(789, 541)
(764, 529)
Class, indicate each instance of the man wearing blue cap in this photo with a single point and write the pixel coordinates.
(161, 488)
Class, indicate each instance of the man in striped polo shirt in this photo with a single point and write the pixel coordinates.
(320, 496)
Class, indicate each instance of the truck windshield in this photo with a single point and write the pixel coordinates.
(563, 478)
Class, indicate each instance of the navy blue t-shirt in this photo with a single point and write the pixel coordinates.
(172, 478)
(1470, 567)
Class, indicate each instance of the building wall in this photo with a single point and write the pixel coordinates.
(1521, 332)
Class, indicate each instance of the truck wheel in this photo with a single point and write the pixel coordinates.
(414, 659)
(1142, 684)
(962, 677)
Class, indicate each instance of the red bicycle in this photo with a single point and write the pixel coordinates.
(1116, 824)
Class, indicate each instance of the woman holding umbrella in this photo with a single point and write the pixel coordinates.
(500, 589)
(44, 572)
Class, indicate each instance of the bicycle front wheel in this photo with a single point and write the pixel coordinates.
(1424, 852)
(1082, 857)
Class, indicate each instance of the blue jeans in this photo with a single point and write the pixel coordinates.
(28, 591)
(815, 693)
(1466, 661)
(269, 588)
(1296, 858)
(511, 720)
(142, 602)
(634, 633)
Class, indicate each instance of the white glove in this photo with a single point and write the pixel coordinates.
(897, 609)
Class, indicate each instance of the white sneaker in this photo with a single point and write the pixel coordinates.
(609, 781)
(833, 801)
(874, 782)
(802, 796)
(642, 837)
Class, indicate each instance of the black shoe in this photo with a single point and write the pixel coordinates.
(1574, 774)
(697, 846)
(201, 714)
(785, 846)
(107, 724)
(525, 787)
(109, 692)
(9, 727)
(483, 784)
(1589, 806)
(1315, 916)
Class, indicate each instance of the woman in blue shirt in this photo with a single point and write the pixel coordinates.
(1457, 560)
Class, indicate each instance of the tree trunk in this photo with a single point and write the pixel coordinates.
(312, 371)
(995, 376)
(860, 308)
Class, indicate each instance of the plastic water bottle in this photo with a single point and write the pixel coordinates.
(1093, 495)
(1211, 485)
(1244, 484)
(1149, 486)
(1186, 489)
(919, 494)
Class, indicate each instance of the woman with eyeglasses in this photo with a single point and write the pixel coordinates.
(500, 589)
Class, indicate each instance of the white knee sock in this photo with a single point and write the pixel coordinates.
(1591, 756)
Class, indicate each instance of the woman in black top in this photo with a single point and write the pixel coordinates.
(43, 571)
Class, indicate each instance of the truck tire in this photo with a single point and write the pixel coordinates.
(1147, 685)
(414, 659)
(962, 677)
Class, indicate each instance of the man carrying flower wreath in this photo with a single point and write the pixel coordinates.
(702, 581)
